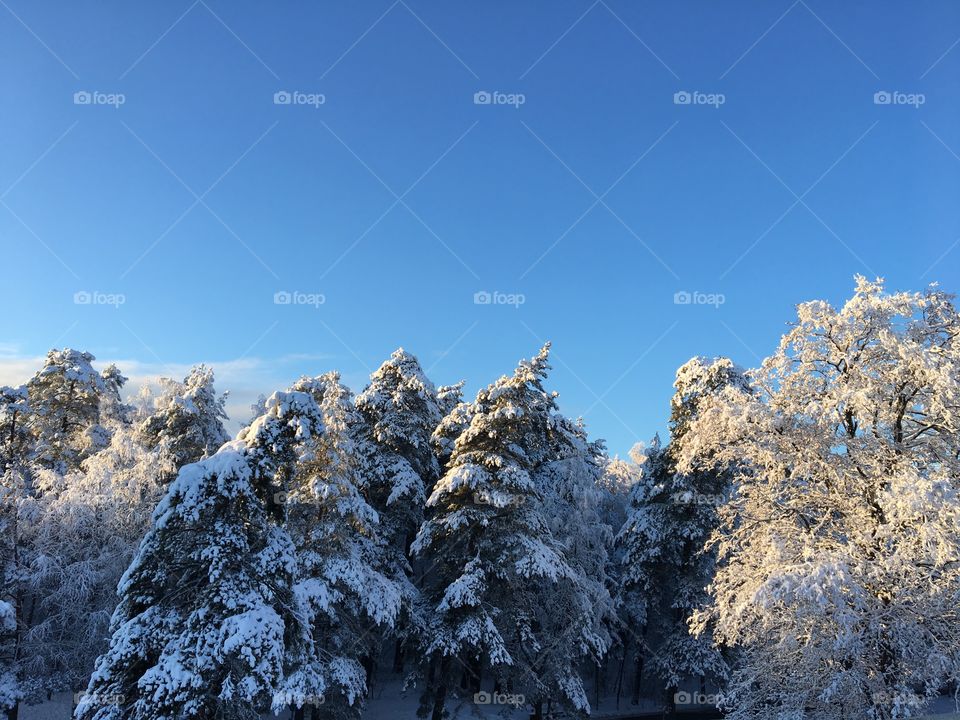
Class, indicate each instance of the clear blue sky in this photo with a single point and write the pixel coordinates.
(597, 199)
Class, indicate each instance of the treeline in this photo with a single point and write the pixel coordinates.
(794, 547)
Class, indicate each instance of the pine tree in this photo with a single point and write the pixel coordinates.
(16, 449)
(401, 411)
(666, 568)
(491, 547)
(345, 596)
(577, 613)
(65, 410)
(208, 612)
(188, 418)
(10, 694)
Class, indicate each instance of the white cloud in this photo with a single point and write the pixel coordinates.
(245, 378)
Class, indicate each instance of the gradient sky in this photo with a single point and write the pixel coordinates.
(398, 198)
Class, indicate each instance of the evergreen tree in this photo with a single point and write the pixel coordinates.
(491, 547)
(10, 694)
(188, 418)
(666, 567)
(401, 412)
(345, 596)
(16, 503)
(208, 612)
(65, 410)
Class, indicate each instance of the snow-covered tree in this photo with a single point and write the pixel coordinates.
(188, 417)
(581, 607)
(16, 449)
(85, 537)
(400, 407)
(401, 411)
(492, 551)
(838, 580)
(10, 693)
(338, 576)
(456, 416)
(15, 436)
(208, 614)
(666, 567)
(65, 410)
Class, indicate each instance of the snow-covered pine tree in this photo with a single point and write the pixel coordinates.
(188, 417)
(10, 693)
(455, 418)
(490, 546)
(666, 567)
(577, 613)
(16, 446)
(339, 583)
(208, 613)
(449, 396)
(65, 410)
(401, 411)
(839, 554)
(400, 407)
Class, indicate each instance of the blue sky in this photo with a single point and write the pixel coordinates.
(398, 197)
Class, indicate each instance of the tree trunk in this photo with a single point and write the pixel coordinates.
(537, 711)
(597, 672)
(637, 677)
(398, 657)
(623, 662)
(440, 694)
(14, 711)
(670, 702)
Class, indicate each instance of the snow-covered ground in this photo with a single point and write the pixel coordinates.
(388, 705)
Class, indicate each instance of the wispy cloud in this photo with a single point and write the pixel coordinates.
(244, 378)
